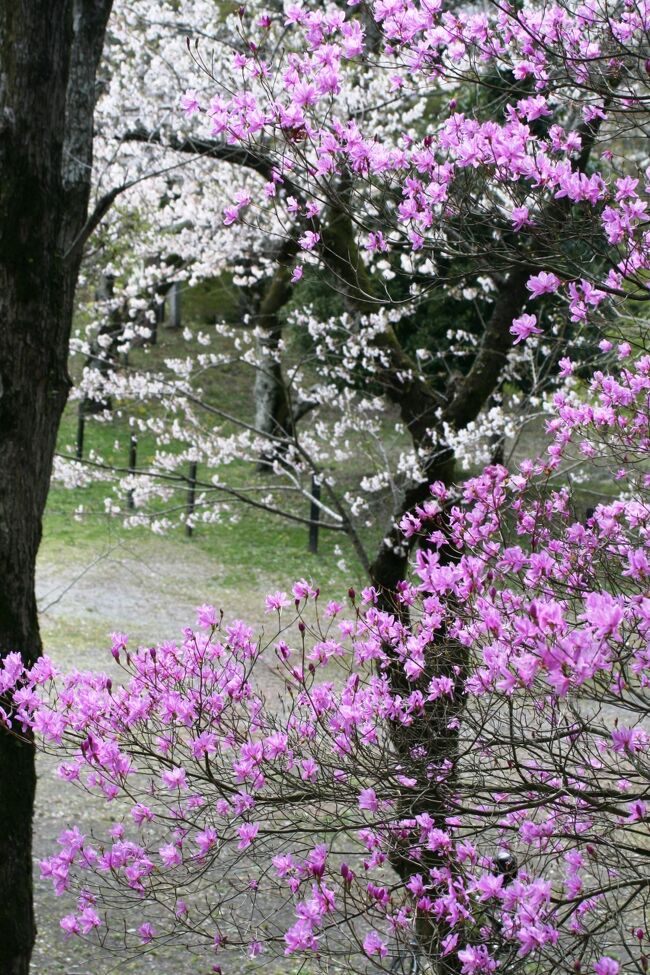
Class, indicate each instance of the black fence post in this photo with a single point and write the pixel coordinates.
(191, 498)
(314, 515)
(133, 463)
(174, 302)
(81, 422)
(158, 318)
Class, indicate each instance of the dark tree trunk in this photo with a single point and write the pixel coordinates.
(274, 415)
(472, 393)
(425, 415)
(43, 202)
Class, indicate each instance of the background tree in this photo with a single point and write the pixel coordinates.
(444, 200)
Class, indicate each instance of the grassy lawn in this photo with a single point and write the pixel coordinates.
(94, 572)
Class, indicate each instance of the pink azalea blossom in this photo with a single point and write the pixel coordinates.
(542, 283)
(374, 944)
(523, 327)
(606, 966)
(190, 103)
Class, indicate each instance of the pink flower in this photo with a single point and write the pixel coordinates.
(204, 744)
(603, 612)
(449, 943)
(275, 745)
(376, 242)
(523, 327)
(302, 590)
(170, 855)
(476, 959)
(69, 925)
(533, 108)
(317, 859)
(308, 769)
(542, 283)
(230, 215)
(309, 240)
(606, 966)
(206, 839)
(368, 800)
(206, 616)
(373, 944)
(118, 643)
(146, 932)
(89, 919)
(300, 937)
(190, 103)
(141, 814)
(520, 217)
(247, 833)
(638, 810)
(276, 601)
(175, 778)
(297, 274)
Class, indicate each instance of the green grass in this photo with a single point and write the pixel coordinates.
(255, 550)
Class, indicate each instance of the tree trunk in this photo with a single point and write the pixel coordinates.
(273, 409)
(42, 211)
(473, 392)
(273, 414)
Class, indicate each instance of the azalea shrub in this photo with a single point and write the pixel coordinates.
(463, 784)
(516, 120)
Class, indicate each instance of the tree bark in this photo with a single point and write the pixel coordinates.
(273, 409)
(472, 393)
(45, 51)
(274, 412)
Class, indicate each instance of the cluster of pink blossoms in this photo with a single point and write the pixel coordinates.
(468, 779)
(480, 772)
(292, 108)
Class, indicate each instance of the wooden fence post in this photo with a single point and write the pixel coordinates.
(314, 515)
(133, 463)
(175, 316)
(191, 498)
(81, 423)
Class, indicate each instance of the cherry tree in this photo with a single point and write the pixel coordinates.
(519, 190)
(477, 173)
